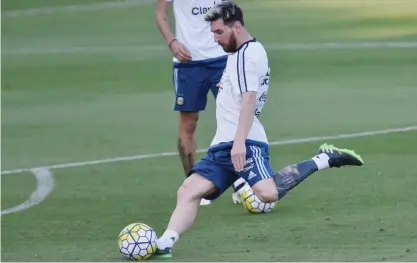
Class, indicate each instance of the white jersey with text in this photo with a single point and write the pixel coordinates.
(247, 70)
(193, 31)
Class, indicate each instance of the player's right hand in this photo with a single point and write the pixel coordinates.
(238, 153)
(180, 51)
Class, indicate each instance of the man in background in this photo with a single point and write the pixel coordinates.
(199, 63)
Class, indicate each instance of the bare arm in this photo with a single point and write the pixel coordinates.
(177, 48)
(162, 20)
(247, 114)
(248, 85)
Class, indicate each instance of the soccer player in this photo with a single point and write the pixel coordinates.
(198, 66)
(240, 146)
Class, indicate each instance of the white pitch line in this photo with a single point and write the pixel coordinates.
(343, 45)
(74, 8)
(157, 48)
(44, 186)
(155, 155)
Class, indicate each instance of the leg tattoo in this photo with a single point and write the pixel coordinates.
(187, 157)
(290, 176)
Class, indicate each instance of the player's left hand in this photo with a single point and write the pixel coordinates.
(238, 155)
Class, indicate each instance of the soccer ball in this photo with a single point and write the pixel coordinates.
(137, 241)
(253, 204)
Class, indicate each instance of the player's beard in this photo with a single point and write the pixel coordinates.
(231, 45)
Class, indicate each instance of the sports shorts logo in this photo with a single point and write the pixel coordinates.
(180, 101)
(251, 175)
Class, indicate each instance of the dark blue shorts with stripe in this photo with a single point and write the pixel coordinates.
(217, 166)
(193, 80)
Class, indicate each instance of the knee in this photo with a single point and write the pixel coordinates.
(186, 193)
(267, 195)
(188, 122)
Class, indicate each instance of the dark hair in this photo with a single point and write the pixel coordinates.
(226, 10)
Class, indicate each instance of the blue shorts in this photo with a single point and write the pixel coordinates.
(217, 166)
(193, 80)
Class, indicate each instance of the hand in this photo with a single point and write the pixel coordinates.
(239, 156)
(180, 51)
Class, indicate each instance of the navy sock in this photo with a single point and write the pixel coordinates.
(290, 176)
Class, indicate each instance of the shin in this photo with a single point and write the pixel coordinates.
(189, 196)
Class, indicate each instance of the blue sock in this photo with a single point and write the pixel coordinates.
(290, 176)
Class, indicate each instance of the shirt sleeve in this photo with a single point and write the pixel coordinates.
(249, 71)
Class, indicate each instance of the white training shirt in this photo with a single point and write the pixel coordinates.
(247, 70)
(193, 31)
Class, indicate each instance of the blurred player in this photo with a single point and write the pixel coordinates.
(198, 66)
(240, 146)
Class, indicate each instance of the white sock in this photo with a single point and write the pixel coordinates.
(238, 182)
(168, 239)
(322, 161)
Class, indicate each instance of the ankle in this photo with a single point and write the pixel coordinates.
(168, 239)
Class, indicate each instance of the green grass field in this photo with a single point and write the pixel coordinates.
(94, 83)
